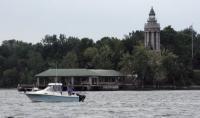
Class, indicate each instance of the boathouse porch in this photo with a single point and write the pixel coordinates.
(82, 79)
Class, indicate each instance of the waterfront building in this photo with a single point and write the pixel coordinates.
(84, 79)
(152, 32)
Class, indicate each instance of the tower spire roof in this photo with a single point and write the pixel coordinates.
(152, 12)
(152, 32)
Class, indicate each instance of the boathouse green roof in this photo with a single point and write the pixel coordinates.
(79, 73)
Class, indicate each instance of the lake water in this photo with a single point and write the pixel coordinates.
(106, 104)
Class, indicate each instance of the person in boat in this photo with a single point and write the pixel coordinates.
(70, 89)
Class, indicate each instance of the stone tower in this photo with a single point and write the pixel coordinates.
(152, 32)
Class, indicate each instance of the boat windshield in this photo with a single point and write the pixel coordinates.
(54, 88)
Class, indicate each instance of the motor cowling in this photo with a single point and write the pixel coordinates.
(81, 97)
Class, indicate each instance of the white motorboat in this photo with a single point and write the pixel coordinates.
(53, 93)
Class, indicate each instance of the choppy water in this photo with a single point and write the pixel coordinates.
(107, 104)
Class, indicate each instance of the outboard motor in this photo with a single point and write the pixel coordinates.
(81, 97)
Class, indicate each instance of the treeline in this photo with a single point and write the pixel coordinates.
(20, 61)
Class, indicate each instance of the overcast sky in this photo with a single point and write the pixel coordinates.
(31, 20)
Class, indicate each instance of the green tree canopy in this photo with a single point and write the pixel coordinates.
(70, 60)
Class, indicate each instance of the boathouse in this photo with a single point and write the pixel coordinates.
(83, 79)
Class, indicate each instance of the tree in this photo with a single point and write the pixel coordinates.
(196, 59)
(70, 60)
(174, 66)
(89, 55)
(132, 40)
(141, 57)
(168, 38)
(127, 64)
(103, 59)
(10, 77)
(35, 62)
(170, 63)
(157, 70)
(85, 43)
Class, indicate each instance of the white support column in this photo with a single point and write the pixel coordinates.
(72, 80)
(157, 40)
(55, 79)
(117, 80)
(66, 81)
(152, 40)
(147, 40)
(38, 82)
(90, 80)
(97, 80)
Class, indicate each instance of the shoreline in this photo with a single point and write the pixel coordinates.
(135, 89)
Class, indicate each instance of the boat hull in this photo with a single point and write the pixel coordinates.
(52, 98)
